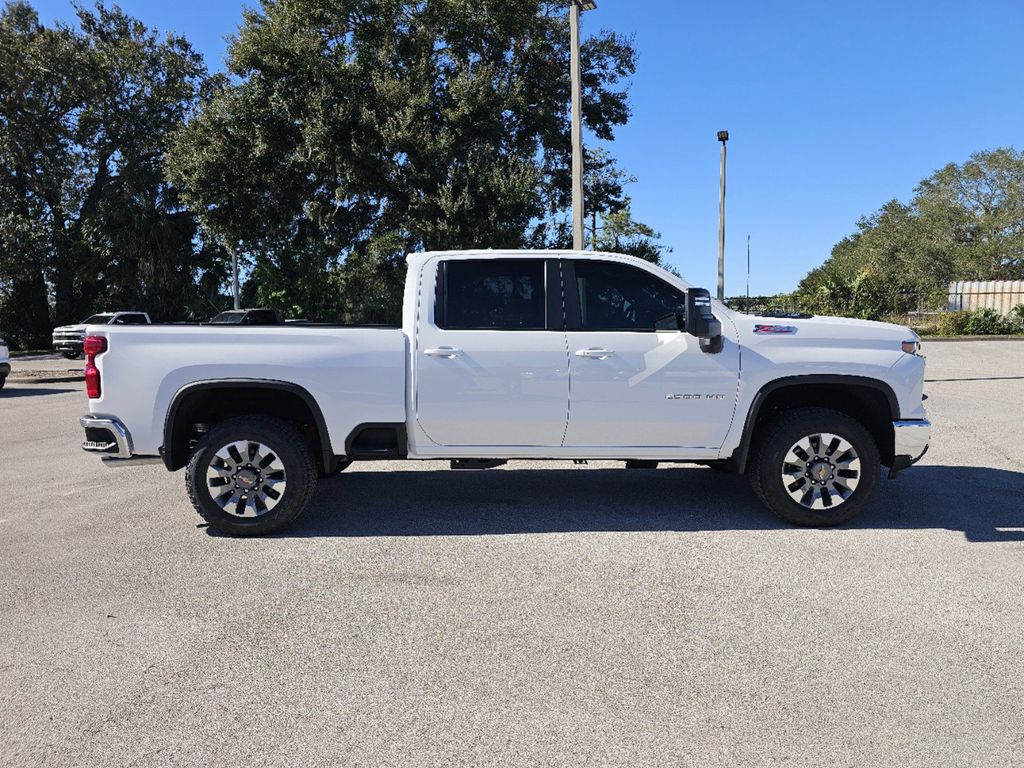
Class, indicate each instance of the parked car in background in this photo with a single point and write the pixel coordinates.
(68, 338)
(5, 363)
(248, 317)
(515, 355)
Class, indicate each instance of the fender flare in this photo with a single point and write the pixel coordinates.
(173, 461)
(739, 456)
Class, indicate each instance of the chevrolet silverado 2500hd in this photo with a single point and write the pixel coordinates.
(515, 355)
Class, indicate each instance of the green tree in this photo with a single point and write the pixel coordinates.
(87, 218)
(354, 131)
(965, 222)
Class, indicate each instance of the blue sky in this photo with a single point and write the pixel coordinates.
(833, 108)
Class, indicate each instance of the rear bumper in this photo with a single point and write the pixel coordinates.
(106, 436)
(911, 439)
(111, 440)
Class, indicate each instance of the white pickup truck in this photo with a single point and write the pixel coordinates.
(5, 363)
(515, 355)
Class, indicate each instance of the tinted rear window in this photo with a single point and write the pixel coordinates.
(496, 294)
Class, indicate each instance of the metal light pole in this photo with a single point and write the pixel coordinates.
(748, 274)
(234, 277)
(575, 8)
(723, 136)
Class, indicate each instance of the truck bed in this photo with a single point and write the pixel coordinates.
(357, 373)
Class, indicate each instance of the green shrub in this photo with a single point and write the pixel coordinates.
(978, 322)
(1017, 315)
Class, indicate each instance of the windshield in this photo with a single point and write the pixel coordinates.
(96, 320)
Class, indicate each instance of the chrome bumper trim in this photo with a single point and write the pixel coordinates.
(910, 443)
(134, 461)
(122, 438)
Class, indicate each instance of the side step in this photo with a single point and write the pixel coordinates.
(477, 463)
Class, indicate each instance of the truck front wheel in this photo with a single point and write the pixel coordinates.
(815, 467)
(251, 475)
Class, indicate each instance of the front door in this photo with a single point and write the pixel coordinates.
(632, 385)
(491, 364)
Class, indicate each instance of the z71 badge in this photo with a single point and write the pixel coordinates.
(775, 329)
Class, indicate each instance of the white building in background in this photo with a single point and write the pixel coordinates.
(1000, 295)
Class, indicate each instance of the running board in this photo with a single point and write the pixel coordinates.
(477, 463)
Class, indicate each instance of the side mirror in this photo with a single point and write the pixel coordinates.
(701, 322)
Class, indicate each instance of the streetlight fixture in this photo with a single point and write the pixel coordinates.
(575, 8)
(723, 136)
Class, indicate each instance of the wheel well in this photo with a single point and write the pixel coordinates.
(869, 405)
(195, 409)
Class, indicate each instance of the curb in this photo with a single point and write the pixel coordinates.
(46, 379)
(929, 339)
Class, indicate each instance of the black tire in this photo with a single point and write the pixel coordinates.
(70, 355)
(3, 380)
(284, 442)
(773, 445)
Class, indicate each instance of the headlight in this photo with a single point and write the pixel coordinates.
(912, 347)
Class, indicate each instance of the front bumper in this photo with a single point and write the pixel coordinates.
(67, 345)
(910, 443)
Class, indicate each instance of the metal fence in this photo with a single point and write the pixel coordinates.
(999, 295)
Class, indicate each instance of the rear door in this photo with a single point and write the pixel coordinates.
(490, 357)
(633, 385)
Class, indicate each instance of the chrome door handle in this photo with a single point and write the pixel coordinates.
(595, 353)
(449, 353)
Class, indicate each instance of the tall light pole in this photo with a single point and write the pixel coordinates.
(723, 136)
(234, 277)
(575, 8)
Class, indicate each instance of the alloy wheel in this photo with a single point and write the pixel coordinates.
(821, 471)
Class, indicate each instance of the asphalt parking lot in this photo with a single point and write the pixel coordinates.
(520, 616)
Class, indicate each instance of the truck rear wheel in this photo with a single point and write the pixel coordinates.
(815, 467)
(251, 475)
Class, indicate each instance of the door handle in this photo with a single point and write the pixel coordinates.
(449, 353)
(595, 353)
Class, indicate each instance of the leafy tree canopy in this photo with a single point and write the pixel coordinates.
(87, 219)
(965, 222)
(366, 129)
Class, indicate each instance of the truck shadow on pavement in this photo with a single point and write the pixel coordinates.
(986, 505)
(9, 391)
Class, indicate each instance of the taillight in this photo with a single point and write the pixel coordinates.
(93, 346)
